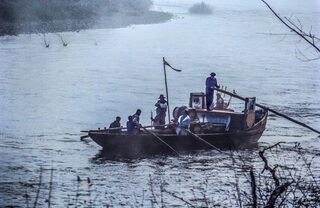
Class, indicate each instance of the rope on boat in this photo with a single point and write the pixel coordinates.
(214, 147)
(196, 136)
(160, 139)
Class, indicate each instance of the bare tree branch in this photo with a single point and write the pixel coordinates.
(297, 31)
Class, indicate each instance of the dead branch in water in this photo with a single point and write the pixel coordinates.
(50, 188)
(154, 200)
(267, 167)
(26, 195)
(253, 189)
(239, 201)
(38, 190)
(180, 198)
(46, 43)
(279, 188)
(276, 193)
(64, 43)
(77, 192)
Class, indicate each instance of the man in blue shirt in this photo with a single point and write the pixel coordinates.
(183, 123)
(130, 125)
(211, 83)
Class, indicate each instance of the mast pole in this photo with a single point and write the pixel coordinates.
(165, 79)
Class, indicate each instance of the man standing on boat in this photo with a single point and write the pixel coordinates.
(211, 83)
(136, 121)
(161, 110)
(130, 126)
(183, 123)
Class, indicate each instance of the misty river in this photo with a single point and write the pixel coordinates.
(48, 95)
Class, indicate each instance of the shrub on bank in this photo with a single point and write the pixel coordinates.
(200, 8)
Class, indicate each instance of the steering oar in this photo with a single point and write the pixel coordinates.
(271, 110)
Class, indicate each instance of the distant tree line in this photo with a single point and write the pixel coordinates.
(19, 11)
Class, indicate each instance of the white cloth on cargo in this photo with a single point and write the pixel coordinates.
(220, 119)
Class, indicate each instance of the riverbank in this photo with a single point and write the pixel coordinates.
(115, 21)
(34, 16)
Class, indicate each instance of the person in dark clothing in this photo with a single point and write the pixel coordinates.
(161, 110)
(136, 117)
(136, 121)
(130, 125)
(115, 124)
(211, 83)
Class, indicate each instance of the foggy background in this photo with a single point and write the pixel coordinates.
(48, 95)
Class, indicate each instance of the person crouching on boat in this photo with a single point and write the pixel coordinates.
(130, 125)
(161, 110)
(136, 121)
(211, 83)
(115, 124)
(183, 123)
(220, 102)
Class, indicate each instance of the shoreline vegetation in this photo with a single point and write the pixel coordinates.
(200, 9)
(44, 16)
(267, 184)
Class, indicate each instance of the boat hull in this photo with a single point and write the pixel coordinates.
(124, 145)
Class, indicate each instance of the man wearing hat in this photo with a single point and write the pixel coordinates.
(161, 110)
(211, 83)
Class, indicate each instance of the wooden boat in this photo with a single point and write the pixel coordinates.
(222, 128)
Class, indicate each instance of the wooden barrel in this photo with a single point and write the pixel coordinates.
(177, 112)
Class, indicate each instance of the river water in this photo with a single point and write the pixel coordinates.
(47, 95)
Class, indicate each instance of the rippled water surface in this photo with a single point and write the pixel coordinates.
(47, 95)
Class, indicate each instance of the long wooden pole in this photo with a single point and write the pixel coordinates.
(271, 110)
(165, 79)
(211, 145)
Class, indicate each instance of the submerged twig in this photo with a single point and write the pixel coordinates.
(38, 190)
(50, 187)
(63, 42)
(180, 198)
(152, 191)
(77, 193)
(279, 188)
(27, 198)
(46, 43)
(253, 189)
(276, 193)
